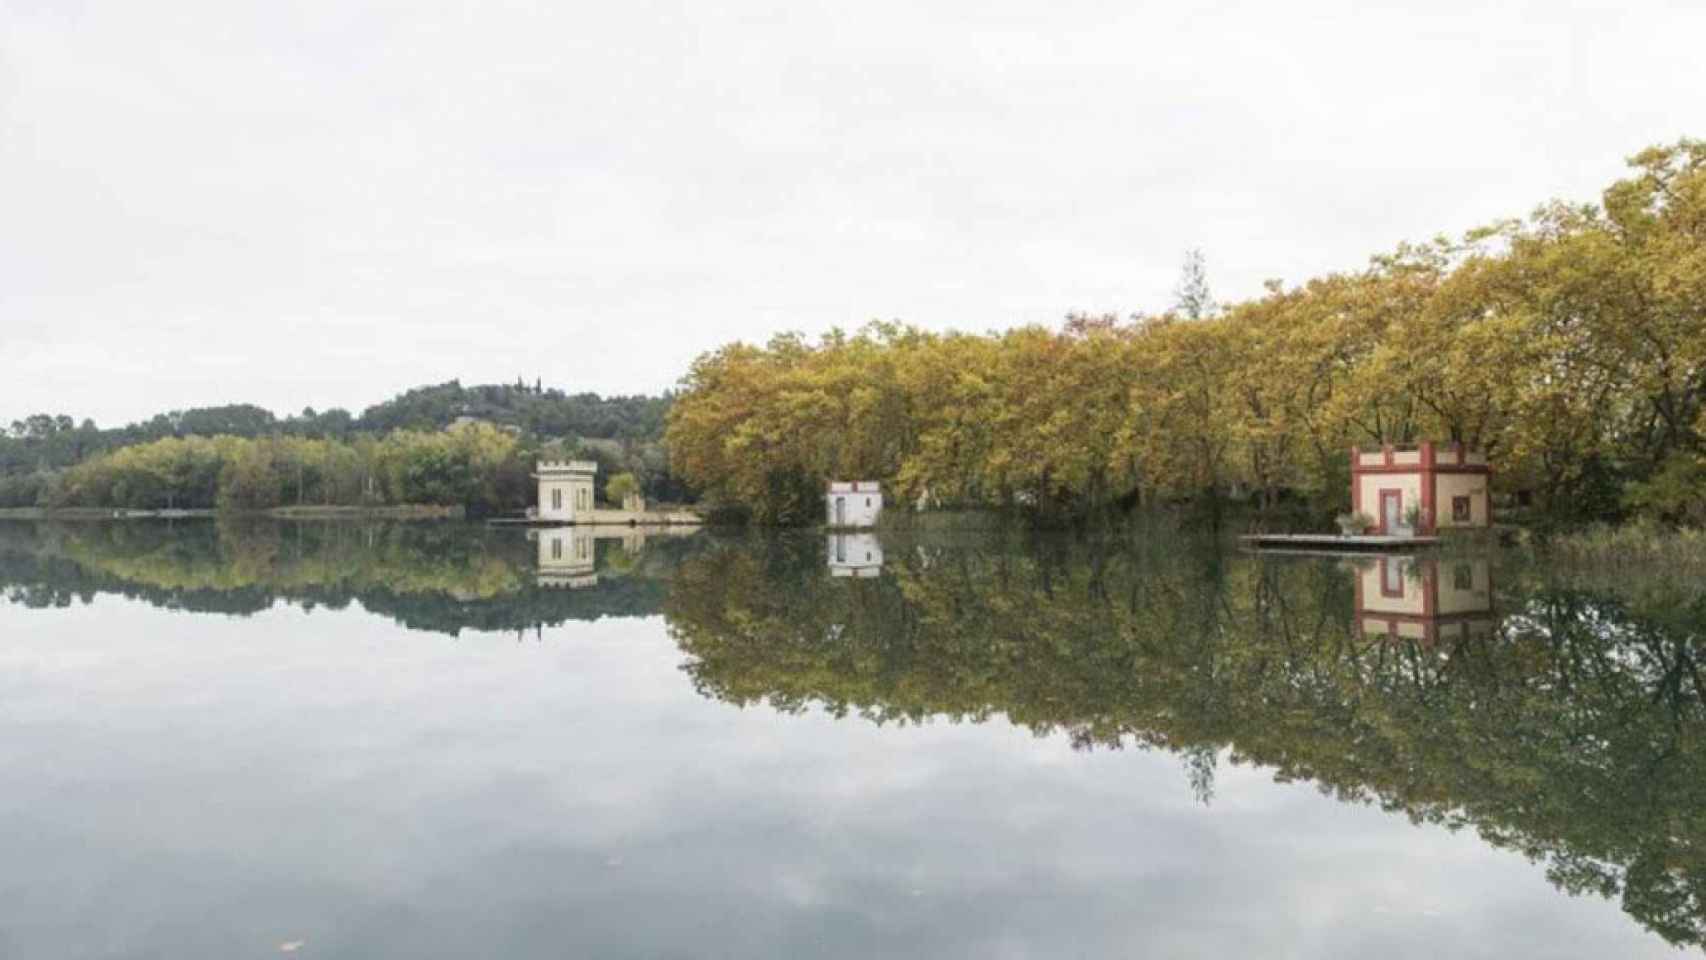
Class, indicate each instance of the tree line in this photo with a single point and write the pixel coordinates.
(476, 466)
(1570, 346)
(415, 448)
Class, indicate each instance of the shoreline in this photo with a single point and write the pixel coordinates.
(398, 512)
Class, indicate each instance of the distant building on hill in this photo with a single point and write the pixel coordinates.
(468, 420)
(1438, 486)
(856, 503)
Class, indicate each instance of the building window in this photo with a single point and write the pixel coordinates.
(867, 501)
(1460, 510)
(1391, 579)
(1463, 577)
(557, 499)
(556, 549)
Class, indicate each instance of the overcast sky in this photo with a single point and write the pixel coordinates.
(213, 202)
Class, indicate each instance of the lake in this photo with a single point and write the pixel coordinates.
(245, 738)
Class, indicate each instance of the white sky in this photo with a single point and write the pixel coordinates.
(213, 202)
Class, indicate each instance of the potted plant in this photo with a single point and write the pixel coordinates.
(1351, 524)
(1412, 520)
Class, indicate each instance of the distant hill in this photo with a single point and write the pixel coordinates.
(52, 442)
(537, 410)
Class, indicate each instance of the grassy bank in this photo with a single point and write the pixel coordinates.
(1643, 544)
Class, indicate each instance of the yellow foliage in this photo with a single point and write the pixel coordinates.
(1571, 348)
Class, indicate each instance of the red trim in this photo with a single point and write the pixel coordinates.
(1430, 619)
(1428, 491)
(1427, 469)
(1430, 633)
(1467, 616)
(1418, 468)
(1356, 482)
(1386, 591)
(1430, 590)
(1384, 492)
(1430, 627)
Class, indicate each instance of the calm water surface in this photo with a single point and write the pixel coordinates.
(372, 741)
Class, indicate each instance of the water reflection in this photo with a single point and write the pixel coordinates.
(568, 556)
(439, 577)
(1424, 598)
(855, 555)
(1570, 729)
(1556, 713)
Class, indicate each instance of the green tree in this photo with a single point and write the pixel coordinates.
(620, 487)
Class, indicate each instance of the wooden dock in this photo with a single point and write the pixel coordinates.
(1334, 543)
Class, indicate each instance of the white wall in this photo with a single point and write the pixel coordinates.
(565, 547)
(1471, 485)
(857, 508)
(1398, 573)
(576, 497)
(1409, 486)
(854, 554)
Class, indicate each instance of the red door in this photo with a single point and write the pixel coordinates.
(1391, 511)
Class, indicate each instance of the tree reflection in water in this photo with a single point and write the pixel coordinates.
(1553, 714)
(441, 577)
(1558, 713)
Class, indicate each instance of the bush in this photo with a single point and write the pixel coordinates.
(1351, 524)
(1675, 493)
(620, 487)
(1642, 542)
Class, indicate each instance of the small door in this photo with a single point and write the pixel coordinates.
(1391, 511)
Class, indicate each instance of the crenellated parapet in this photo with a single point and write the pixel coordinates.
(565, 468)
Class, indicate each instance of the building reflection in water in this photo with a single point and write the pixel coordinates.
(1424, 598)
(854, 555)
(568, 556)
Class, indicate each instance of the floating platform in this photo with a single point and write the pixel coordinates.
(1334, 543)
